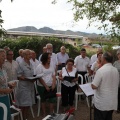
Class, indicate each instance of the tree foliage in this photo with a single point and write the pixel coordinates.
(105, 11)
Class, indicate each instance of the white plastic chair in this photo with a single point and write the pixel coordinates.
(77, 93)
(4, 110)
(58, 94)
(88, 79)
(38, 99)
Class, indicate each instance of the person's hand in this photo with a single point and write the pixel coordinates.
(74, 80)
(47, 88)
(8, 90)
(53, 87)
(12, 85)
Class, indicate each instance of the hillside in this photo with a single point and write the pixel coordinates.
(50, 30)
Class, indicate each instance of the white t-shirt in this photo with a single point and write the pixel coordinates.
(72, 74)
(106, 95)
(93, 59)
(47, 76)
(82, 63)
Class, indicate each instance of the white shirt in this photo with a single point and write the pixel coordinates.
(47, 74)
(11, 69)
(93, 59)
(54, 61)
(82, 63)
(62, 58)
(106, 95)
(72, 74)
(19, 59)
(34, 64)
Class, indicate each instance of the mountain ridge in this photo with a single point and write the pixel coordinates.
(50, 30)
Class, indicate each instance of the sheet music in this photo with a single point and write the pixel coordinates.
(87, 89)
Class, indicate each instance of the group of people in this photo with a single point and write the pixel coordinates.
(106, 79)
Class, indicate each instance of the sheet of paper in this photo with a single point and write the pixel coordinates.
(87, 89)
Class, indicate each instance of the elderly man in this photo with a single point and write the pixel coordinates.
(20, 58)
(105, 83)
(11, 66)
(53, 61)
(33, 60)
(62, 57)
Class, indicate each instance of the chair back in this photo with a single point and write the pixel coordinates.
(4, 110)
(79, 75)
(58, 84)
(88, 79)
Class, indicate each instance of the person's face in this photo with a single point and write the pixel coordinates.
(63, 50)
(118, 55)
(102, 60)
(49, 49)
(69, 65)
(83, 53)
(2, 57)
(33, 55)
(44, 50)
(100, 57)
(27, 55)
(10, 55)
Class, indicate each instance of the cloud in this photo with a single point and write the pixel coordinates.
(40, 13)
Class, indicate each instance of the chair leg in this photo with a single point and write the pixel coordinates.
(12, 117)
(87, 101)
(38, 114)
(32, 111)
(58, 103)
(21, 116)
(76, 101)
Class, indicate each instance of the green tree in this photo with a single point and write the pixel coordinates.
(107, 12)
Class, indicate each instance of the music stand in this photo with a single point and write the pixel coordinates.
(89, 92)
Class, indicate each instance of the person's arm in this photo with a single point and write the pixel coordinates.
(53, 82)
(60, 76)
(93, 86)
(5, 91)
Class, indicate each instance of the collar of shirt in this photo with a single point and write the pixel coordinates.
(82, 57)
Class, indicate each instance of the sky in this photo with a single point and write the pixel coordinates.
(41, 13)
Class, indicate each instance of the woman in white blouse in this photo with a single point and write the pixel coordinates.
(68, 77)
(47, 81)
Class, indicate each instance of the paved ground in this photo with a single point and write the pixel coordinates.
(81, 114)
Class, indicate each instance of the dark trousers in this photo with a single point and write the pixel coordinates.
(83, 74)
(119, 98)
(102, 115)
(68, 94)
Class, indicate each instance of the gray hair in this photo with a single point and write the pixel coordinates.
(108, 57)
(49, 44)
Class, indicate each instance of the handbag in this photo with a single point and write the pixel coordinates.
(50, 94)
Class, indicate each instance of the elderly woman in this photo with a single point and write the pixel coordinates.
(68, 77)
(117, 65)
(4, 89)
(47, 81)
(25, 91)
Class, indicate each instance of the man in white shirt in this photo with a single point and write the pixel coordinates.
(105, 83)
(53, 61)
(82, 63)
(10, 66)
(33, 60)
(94, 57)
(62, 57)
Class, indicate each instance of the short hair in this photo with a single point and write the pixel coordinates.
(108, 57)
(83, 49)
(25, 51)
(8, 51)
(44, 58)
(49, 44)
(20, 50)
(70, 60)
(118, 51)
(2, 50)
(99, 53)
